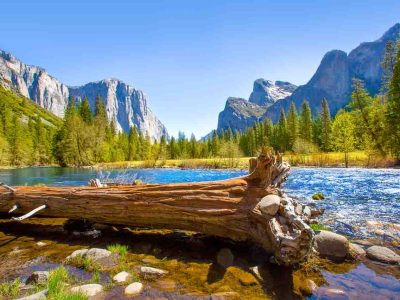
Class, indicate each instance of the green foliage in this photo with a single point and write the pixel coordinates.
(122, 250)
(10, 289)
(57, 286)
(343, 134)
(393, 107)
(306, 122)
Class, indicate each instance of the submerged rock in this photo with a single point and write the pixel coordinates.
(38, 277)
(152, 271)
(331, 245)
(225, 257)
(89, 290)
(269, 205)
(133, 289)
(318, 196)
(383, 254)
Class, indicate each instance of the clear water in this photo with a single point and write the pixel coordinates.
(353, 196)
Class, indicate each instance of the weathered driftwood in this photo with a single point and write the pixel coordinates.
(227, 208)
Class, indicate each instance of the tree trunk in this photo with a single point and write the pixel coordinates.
(227, 208)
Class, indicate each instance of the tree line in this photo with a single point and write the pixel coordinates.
(87, 137)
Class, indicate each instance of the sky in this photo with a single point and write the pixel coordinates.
(188, 56)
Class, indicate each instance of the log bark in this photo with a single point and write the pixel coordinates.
(227, 208)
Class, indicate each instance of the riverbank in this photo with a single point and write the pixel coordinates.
(360, 159)
(357, 159)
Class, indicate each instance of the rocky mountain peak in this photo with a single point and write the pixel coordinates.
(266, 92)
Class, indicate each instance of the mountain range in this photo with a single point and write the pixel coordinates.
(332, 80)
(125, 104)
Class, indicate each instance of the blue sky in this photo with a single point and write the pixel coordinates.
(188, 56)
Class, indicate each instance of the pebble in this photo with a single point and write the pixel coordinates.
(152, 271)
(121, 277)
(41, 244)
(133, 289)
(89, 290)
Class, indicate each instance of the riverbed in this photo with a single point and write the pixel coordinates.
(363, 204)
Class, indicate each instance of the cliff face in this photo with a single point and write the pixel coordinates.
(34, 83)
(333, 78)
(126, 105)
(239, 113)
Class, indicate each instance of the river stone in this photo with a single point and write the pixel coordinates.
(41, 244)
(97, 253)
(152, 271)
(225, 257)
(331, 245)
(89, 290)
(37, 296)
(225, 296)
(80, 252)
(121, 277)
(133, 289)
(383, 254)
(38, 277)
(269, 204)
(356, 252)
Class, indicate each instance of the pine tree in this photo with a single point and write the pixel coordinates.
(326, 125)
(306, 122)
(85, 111)
(282, 131)
(393, 107)
(292, 126)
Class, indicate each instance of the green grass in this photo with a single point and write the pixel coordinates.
(321, 159)
(57, 286)
(84, 262)
(317, 227)
(10, 289)
(122, 250)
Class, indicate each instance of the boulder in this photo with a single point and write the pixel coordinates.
(225, 257)
(133, 289)
(356, 252)
(38, 277)
(121, 277)
(383, 254)
(152, 271)
(331, 245)
(89, 290)
(269, 204)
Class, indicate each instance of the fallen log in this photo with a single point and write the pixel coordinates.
(251, 207)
